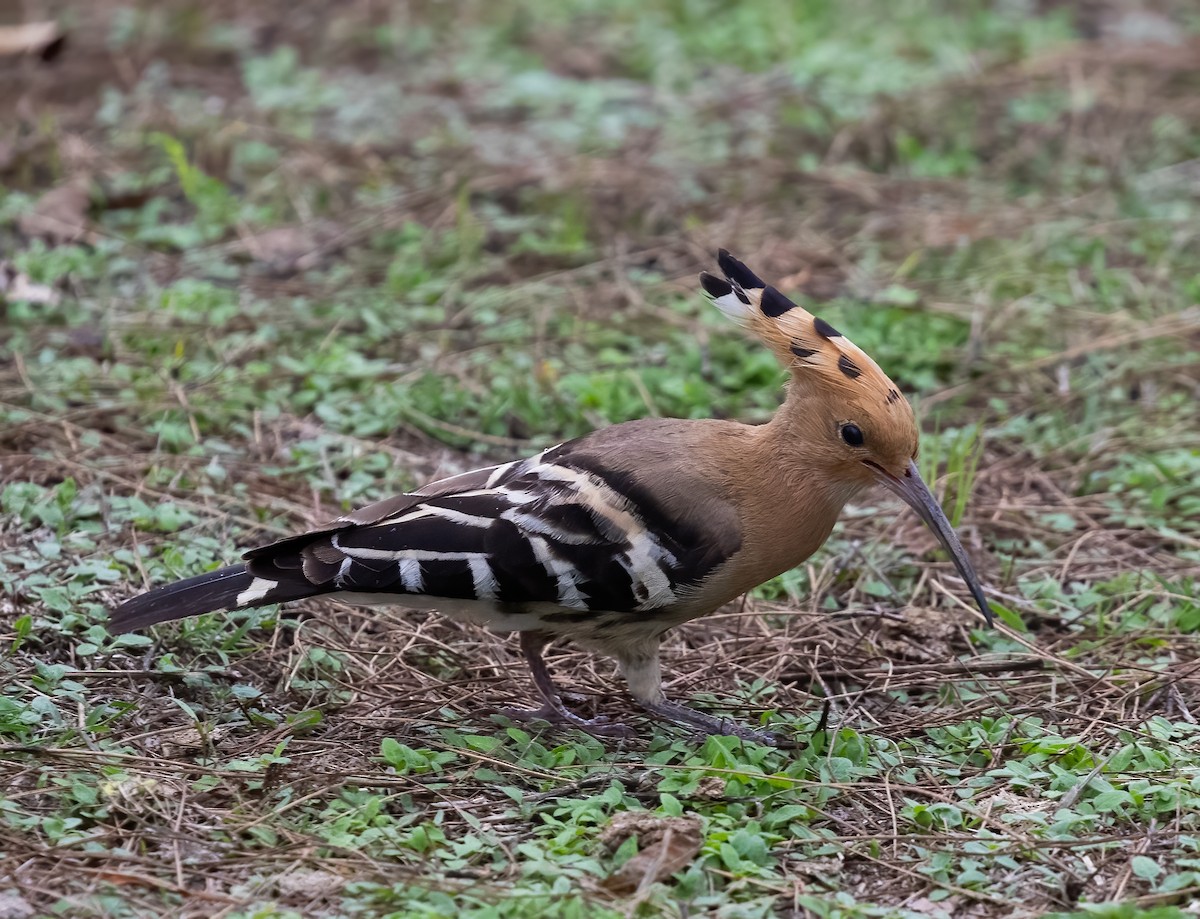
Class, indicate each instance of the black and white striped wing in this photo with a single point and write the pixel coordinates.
(541, 530)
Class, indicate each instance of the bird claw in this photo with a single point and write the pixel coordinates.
(600, 725)
(724, 728)
(707, 725)
(768, 738)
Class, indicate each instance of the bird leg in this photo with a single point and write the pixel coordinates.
(644, 676)
(552, 708)
(645, 683)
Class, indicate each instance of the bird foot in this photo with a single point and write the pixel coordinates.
(707, 725)
(600, 725)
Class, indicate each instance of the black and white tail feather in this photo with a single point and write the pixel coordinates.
(551, 538)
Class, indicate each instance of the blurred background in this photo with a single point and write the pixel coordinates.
(264, 261)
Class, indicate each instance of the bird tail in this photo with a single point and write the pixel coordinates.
(223, 590)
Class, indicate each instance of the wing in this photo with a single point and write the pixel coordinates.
(556, 528)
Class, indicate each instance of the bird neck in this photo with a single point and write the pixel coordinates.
(799, 487)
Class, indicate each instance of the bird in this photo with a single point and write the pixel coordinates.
(611, 540)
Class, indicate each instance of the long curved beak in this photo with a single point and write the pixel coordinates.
(916, 494)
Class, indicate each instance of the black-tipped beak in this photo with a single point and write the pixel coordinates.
(916, 494)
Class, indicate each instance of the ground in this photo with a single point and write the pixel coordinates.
(262, 262)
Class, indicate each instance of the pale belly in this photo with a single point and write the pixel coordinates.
(607, 632)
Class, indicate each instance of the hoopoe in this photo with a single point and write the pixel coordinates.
(613, 539)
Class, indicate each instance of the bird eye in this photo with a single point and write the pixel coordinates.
(852, 434)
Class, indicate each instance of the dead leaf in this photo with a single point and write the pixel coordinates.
(91, 341)
(942, 910)
(60, 215)
(923, 634)
(14, 906)
(191, 739)
(134, 795)
(309, 885)
(43, 38)
(15, 285)
(711, 787)
(665, 845)
(297, 248)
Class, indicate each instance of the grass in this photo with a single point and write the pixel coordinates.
(317, 265)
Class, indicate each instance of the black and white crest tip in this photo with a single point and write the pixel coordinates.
(737, 272)
(714, 286)
(774, 304)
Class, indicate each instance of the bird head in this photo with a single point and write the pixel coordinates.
(862, 431)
